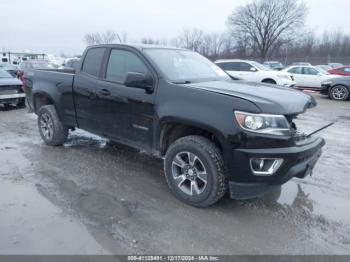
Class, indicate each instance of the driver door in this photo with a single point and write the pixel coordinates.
(126, 114)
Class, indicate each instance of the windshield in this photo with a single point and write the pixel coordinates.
(4, 74)
(321, 70)
(185, 66)
(260, 66)
(276, 65)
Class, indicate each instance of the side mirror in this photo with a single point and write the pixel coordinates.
(319, 74)
(138, 80)
(253, 69)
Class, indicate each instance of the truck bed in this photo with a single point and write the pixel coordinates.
(56, 83)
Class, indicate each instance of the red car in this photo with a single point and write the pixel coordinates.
(342, 71)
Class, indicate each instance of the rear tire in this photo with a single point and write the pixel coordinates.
(195, 171)
(51, 129)
(339, 93)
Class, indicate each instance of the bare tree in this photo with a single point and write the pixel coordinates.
(190, 39)
(212, 44)
(93, 39)
(267, 22)
(107, 37)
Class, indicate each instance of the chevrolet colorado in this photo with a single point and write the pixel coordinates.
(215, 134)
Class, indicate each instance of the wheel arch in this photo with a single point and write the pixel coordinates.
(267, 80)
(171, 129)
(41, 99)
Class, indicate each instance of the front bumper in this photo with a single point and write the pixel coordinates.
(325, 89)
(299, 161)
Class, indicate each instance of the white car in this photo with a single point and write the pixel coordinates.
(309, 76)
(255, 72)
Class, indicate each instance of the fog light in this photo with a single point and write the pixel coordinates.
(265, 166)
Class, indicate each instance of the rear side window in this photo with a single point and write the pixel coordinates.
(296, 70)
(310, 71)
(245, 67)
(93, 60)
(229, 66)
(122, 62)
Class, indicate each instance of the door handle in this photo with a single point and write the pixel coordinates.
(104, 92)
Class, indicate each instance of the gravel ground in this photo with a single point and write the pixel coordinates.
(90, 197)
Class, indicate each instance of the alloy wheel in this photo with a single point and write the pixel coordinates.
(46, 126)
(339, 93)
(189, 173)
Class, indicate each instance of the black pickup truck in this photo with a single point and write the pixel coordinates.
(216, 134)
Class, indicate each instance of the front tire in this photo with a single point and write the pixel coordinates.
(51, 129)
(339, 93)
(195, 171)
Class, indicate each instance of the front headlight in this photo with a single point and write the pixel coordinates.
(263, 123)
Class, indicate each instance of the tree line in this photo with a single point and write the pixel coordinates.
(260, 30)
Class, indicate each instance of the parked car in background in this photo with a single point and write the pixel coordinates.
(324, 67)
(301, 64)
(335, 65)
(255, 72)
(71, 63)
(11, 91)
(308, 76)
(341, 71)
(274, 65)
(337, 88)
(12, 69)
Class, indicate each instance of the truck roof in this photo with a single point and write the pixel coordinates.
(137, 46)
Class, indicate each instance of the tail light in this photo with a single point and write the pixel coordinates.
(24, 86)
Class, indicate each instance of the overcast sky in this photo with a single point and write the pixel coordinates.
(53, 26)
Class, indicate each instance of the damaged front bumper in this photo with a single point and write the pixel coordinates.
(298, 161)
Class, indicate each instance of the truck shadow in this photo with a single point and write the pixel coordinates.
(123, 195)
(10, 107)
(280, 198)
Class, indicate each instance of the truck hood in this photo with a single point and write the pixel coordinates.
(10, 82)
(271, 99)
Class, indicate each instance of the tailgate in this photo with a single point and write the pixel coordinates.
(9, 89)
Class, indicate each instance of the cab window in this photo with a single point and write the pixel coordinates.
(93, 61)
(120, 63)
